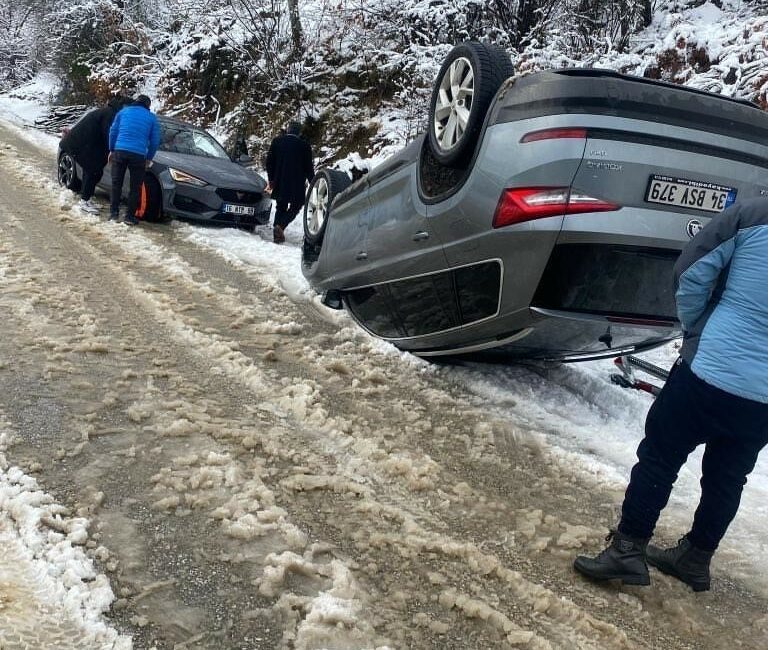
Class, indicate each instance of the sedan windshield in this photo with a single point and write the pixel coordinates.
(181, 139)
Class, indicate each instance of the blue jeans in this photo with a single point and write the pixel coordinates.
(687, 413)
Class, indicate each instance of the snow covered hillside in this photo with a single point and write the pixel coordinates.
(359, 74)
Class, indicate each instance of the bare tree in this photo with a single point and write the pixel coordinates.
(297, 33)
(20, 31)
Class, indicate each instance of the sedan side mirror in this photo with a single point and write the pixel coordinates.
(243, 159)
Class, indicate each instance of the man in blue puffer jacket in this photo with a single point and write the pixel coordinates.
(133, 141)
(716, 395)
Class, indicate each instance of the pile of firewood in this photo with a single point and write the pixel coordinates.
(60, 118)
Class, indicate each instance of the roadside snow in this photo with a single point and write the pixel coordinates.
(51, 596)
(592, 424)
(30, 101)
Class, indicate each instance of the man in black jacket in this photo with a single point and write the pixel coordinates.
(289, 168)
(87, 142)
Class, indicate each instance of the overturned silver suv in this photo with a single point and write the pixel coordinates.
(539, 216)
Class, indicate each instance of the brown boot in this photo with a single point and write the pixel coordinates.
(277, 233)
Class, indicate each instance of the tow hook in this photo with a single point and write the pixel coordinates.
(332, 299)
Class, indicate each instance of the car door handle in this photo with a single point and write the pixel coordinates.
(361, 256)
(421, 236)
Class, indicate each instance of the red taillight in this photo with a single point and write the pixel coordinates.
(554, 134)
(528, 203)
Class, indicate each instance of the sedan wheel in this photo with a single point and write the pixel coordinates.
(67, 173)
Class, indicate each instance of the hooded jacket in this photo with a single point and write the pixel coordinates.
(722, 300)
(136, 130)
(87, 140)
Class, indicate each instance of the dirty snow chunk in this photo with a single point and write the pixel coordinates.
(474, 608)
(272, 327)
(247, 527)
(418, 472)
(303, 401)
(306, 483)
(168, 503)
(335, 617)
(574, 536)
(277, 566)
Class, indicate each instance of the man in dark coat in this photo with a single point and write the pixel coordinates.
(87, 142)
(289, 169)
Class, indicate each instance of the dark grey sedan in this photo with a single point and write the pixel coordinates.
(191, 177)
(539, 216)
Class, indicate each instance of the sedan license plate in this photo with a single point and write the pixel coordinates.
(683, 193)
(231, 208)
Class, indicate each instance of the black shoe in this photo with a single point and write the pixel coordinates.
(131, 220)
(684, 562)
(624, 560)
(278, 235)
(113, 217)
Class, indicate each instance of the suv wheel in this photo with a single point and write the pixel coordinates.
(325, 186)
(468, 80)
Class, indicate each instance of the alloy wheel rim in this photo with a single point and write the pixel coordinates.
(317, 207)
(65, 171)
(454, 103)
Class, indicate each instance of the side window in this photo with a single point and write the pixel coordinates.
(372, 307)
(429, 303)
(425, 304)
(477, 290)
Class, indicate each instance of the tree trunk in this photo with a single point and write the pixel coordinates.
(297, 34)
(526, 19)
(647, 13)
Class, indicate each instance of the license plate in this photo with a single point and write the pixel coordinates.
(684, 193)
(230, 208)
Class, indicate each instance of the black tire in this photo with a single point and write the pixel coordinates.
(450, 143)
(153, 212)
(67, 172)
(325, 186)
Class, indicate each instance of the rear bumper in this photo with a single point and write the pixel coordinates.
(557, 337)
(633, 283)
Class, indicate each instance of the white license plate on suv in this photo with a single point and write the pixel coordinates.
(684, 193)
(230, 208)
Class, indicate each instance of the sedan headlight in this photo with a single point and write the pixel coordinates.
(182, 177)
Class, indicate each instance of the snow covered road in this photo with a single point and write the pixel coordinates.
(250, 470)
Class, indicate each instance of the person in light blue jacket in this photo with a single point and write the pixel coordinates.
(716, 395)
(133, 141)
